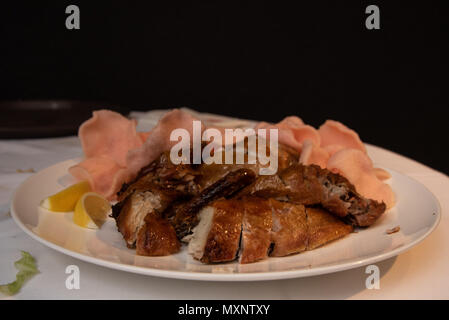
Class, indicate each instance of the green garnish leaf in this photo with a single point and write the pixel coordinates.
(27, 268)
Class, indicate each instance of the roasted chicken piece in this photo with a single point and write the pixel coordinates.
(131, 212)
(268, 228)
(184, 215)
(157, 237)
(162, 185)
(289, 228)
(226, 211)
(165, 175)
(322, 228)
(256, 229)
(154, 189)
(217, 236)
(303, 184)
(266, 187)
(297, 228)
(312, 185)
(210, 173)
(226, 223)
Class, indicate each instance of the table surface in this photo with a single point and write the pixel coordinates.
(420, 273)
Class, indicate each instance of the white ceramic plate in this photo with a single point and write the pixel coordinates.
(417, 212)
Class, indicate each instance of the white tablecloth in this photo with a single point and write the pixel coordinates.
(421, 273)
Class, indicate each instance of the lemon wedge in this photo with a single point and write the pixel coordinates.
(91, 211)
(66, 199)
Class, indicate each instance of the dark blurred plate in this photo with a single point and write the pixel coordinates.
(47, 118)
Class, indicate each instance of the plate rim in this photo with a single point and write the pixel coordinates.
(231, 277)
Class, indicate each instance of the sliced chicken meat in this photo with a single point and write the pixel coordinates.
(217, 237)
(184, 215)
(322, 228)
(157, 237)
(289, 228)
(263, 227)
(256, 229)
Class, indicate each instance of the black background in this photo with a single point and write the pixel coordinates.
(169, 308)
(254, 60)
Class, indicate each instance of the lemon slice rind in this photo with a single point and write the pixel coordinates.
(91, 211)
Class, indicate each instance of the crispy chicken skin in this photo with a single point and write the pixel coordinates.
(265, 224)
(210, 173)
(224, 236)
(312, 185)
(302, 184)
(266, 187)
(157, 238)
(163, 174)
(289, 228)
(184, 216)
(322, 228)
(256, 231)
(337, 195)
